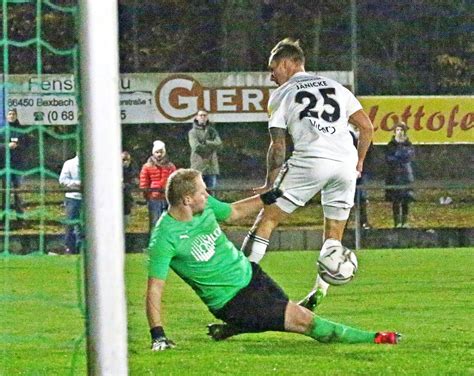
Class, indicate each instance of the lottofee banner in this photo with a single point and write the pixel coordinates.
(431, 119)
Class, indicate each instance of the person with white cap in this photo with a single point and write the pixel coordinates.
(153, 177)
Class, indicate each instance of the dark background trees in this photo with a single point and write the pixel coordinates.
(404, 47)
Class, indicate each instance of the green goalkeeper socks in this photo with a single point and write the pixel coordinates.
(327, 331)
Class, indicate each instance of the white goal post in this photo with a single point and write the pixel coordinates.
(101, 159)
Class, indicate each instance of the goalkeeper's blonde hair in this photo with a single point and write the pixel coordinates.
(287, 48)
(180, 184)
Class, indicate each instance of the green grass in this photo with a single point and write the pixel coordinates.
(426, 294)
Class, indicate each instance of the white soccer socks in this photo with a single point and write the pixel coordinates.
(258, 247)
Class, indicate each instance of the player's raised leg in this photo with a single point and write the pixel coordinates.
(333, 232)
(256, 242)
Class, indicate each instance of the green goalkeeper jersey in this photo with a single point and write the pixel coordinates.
(200, 253)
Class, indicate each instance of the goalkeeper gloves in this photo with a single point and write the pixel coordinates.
(159, 342)
(271, 196)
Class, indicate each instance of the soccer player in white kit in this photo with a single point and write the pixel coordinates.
(316, 112)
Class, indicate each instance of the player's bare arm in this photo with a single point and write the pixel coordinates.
(245, 208)
(159, 341)
(366, 132)
(276, 154)
(275, 157)
(252, 205)
(153, 301)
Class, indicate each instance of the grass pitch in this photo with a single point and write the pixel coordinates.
(426, 294)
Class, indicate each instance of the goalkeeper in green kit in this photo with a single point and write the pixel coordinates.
(189, 240)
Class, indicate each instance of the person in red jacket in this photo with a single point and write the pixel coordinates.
(153, 177)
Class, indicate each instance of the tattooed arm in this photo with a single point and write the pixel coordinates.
(275, 157)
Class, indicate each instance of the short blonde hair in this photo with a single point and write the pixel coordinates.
(181, 183)
(287, 48)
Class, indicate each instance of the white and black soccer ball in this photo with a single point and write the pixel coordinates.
(337, 265)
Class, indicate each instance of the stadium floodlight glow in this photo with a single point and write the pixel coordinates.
(101, 158)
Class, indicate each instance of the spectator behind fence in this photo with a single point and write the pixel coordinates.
(18, 143)
(398, 156)
(70, 178)
(205, 143)
(130, 181)
(154, 175)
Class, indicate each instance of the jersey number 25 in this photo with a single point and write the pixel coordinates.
(308, 110)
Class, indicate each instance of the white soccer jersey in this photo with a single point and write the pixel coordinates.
(315, 110)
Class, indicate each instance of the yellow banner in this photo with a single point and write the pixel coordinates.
(433, 120)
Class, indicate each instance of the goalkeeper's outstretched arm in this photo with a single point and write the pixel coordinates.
(252, 205)
(159, 341)
(153, 301)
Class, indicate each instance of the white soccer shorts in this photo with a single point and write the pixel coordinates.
(301, 180)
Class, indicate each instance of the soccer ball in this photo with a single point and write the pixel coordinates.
(337, 265)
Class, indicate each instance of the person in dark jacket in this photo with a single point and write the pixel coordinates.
(399, 155)
(130, 181)
(18, 143)
(205, 143)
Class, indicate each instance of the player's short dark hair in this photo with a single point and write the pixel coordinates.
(181, 183)
(287, 48)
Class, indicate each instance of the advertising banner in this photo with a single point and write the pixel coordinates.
(431, 119)
(160, 98)
(153, 97)
(49, 99)
(176, 98)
